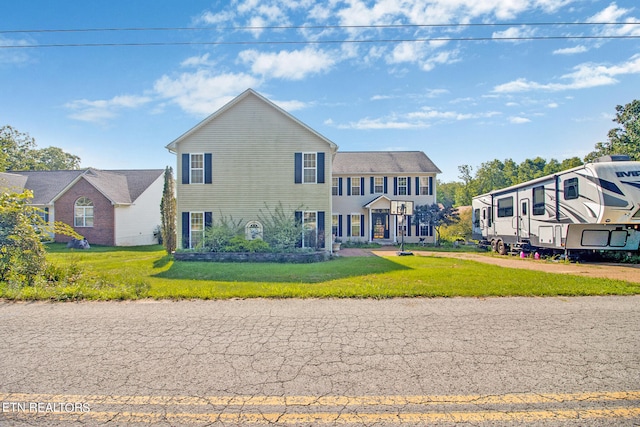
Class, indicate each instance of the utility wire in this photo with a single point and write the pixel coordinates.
(299, 42)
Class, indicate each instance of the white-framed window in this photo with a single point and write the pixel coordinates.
(402, 185)
(424, 186)
(196, 163)
(309, 168)
(309, 229)
(335, 225)
(355, 186)
(83, 212)
(335, 182)
(425, 229)
(196, 228)
(378, 184)
(355, 225)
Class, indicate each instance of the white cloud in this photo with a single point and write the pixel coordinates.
(197, 61)
(292, 105)
(514, 33)
(421, 119)
(100, 111)
(613, 13)
(584, 76)
(289, 65)
(570, 50)
(518, 120)
(210, 18)
(201, 93)
(13, 55)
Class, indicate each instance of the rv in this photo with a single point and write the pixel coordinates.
(595, 206)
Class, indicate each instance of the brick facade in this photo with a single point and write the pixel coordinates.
(103, 230)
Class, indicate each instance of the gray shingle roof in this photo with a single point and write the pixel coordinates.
(382, 162)
(119, 186)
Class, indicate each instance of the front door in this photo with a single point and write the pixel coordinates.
(380, 223)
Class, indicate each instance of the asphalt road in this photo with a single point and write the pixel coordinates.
(499, 361)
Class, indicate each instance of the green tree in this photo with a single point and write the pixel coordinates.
(624, 139)
(168, 212)
(18, 152)
(490, 176)
(436, 216)
(468, 190)
(446, 194)
(531, 169)
(22, 258)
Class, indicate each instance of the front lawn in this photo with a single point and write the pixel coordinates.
(102, 273)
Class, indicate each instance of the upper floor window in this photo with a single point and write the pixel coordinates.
(355, 186)
(424, 186)
(378, 184)
(197, 169)
(83, 212)
(402, 186)
(309, 168)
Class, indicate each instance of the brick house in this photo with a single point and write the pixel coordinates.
(113, 208)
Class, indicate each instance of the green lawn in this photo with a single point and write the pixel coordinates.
(102, 273)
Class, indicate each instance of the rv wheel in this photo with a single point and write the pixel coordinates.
(494, 247)
(502, 248)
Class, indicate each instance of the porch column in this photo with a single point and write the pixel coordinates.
(370, 227)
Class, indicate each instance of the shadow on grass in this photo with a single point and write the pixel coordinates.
(283, 273)
(59, 248)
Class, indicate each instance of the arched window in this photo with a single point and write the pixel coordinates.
(83, 212)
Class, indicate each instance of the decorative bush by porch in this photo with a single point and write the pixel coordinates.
(283, 257)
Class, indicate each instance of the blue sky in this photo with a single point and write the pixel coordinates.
(381, 75)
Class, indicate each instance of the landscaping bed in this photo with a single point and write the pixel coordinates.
(294, 257)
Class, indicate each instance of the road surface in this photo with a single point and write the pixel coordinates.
(409, 362)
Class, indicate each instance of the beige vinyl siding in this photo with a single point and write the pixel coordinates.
(253, 146)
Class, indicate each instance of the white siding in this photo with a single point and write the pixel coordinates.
(136, 223)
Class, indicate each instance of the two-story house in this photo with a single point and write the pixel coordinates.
(251, 156)
(363, 185)
(247, 159)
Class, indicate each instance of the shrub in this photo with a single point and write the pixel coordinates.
(281, 230)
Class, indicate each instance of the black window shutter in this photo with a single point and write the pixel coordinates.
(417, 229)
(320, 168)
(395, 185)
(298, 168)
(362, 225)
(417, 185)
(298, 216)
(362, 186)
(340, 224)
(185, 168)
(320, 237)
(348, 225)
(408, 224)
(208, 219)
(408, 186)
(371, 184)
(348, 186)
(208, 168)
(385, 184)
(46, 215)
(185, 229)
(431, 186)
(339, 186)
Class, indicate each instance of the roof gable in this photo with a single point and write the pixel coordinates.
(119, 186)
(230, 105)
(383, 162)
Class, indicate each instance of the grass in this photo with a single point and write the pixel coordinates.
(147, 272)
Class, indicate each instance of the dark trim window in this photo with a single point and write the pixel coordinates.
(505, 207)
(571, 189)
(538, 200)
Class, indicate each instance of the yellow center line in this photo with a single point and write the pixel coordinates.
(395, 400)
(349, 418)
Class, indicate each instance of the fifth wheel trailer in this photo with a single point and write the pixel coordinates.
(595, 206)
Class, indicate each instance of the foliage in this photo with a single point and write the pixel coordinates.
(21, 250)
(624, 139)
(436, 216)
(168, 212)
(458, 229)
(280, 229)
(218, 236)
(18, 151)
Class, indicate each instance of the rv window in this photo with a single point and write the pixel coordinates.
(538, 200)
(476, 218)
(505, 207)
(571, 189)
(524, 208)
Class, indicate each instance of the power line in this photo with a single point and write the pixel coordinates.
(300, 42)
